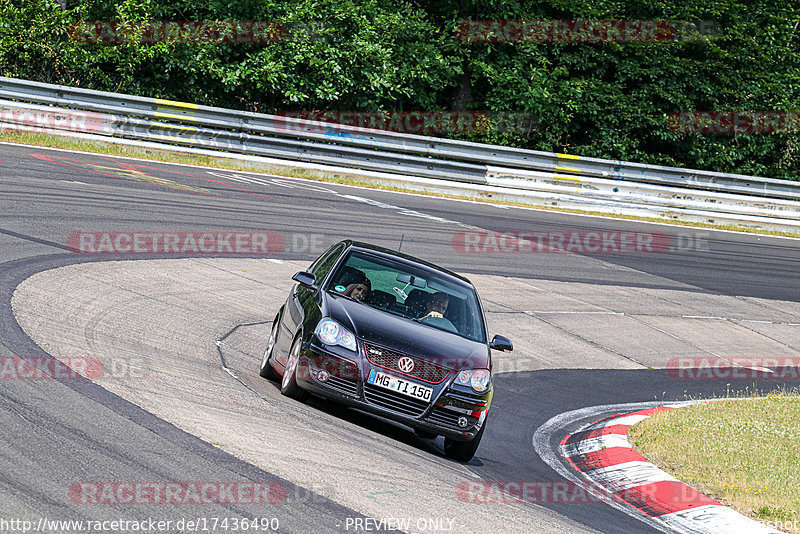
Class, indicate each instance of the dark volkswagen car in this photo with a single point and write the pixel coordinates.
(390, 334)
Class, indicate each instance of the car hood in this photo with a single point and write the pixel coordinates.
(396, 333)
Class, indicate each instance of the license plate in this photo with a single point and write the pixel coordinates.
(410, 389)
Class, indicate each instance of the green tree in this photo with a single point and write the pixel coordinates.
(602, 99)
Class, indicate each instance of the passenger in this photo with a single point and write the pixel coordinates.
(359, 291)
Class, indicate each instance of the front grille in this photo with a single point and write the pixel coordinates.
(424, 370)
(444, 417)
(396, 402)
(343, 385)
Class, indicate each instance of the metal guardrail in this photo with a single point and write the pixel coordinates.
(127, 118)
(279, 126)
(663, 189)
(634, 193)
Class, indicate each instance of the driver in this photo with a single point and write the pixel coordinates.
(436, 305)
(359, 291)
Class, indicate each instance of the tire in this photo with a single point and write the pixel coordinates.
(463, 451)
(266, 367)
(289, 385)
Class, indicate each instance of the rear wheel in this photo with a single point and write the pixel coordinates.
(266, 366)
(463, 451)
(289, 385)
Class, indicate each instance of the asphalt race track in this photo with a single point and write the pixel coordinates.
(589, 328)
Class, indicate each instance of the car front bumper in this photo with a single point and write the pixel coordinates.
(451, 412)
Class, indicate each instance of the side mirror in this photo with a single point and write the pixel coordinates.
(305, 279)
(501, 343)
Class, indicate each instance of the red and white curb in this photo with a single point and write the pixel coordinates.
(602, 453)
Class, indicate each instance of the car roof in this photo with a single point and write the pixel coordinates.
(407, 258)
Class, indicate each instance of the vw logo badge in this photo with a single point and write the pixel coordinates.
(405, 364)
(463, 422)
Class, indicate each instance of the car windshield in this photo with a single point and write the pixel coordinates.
(424, 296)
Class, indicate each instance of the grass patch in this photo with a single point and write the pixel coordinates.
(745, 454)
(169, 156)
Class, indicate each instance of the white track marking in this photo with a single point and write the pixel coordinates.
(356, 171)
(711, 519)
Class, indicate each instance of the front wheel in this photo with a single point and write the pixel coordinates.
(266, 367)
(463, 451)
(289, 385)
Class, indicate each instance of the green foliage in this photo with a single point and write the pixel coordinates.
(601, 99)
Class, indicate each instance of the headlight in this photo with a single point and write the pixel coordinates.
(477, 379)
(332, 333)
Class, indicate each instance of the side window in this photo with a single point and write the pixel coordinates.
(325, 263)
(315, 264)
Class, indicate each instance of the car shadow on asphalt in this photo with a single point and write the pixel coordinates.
(370, 422)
